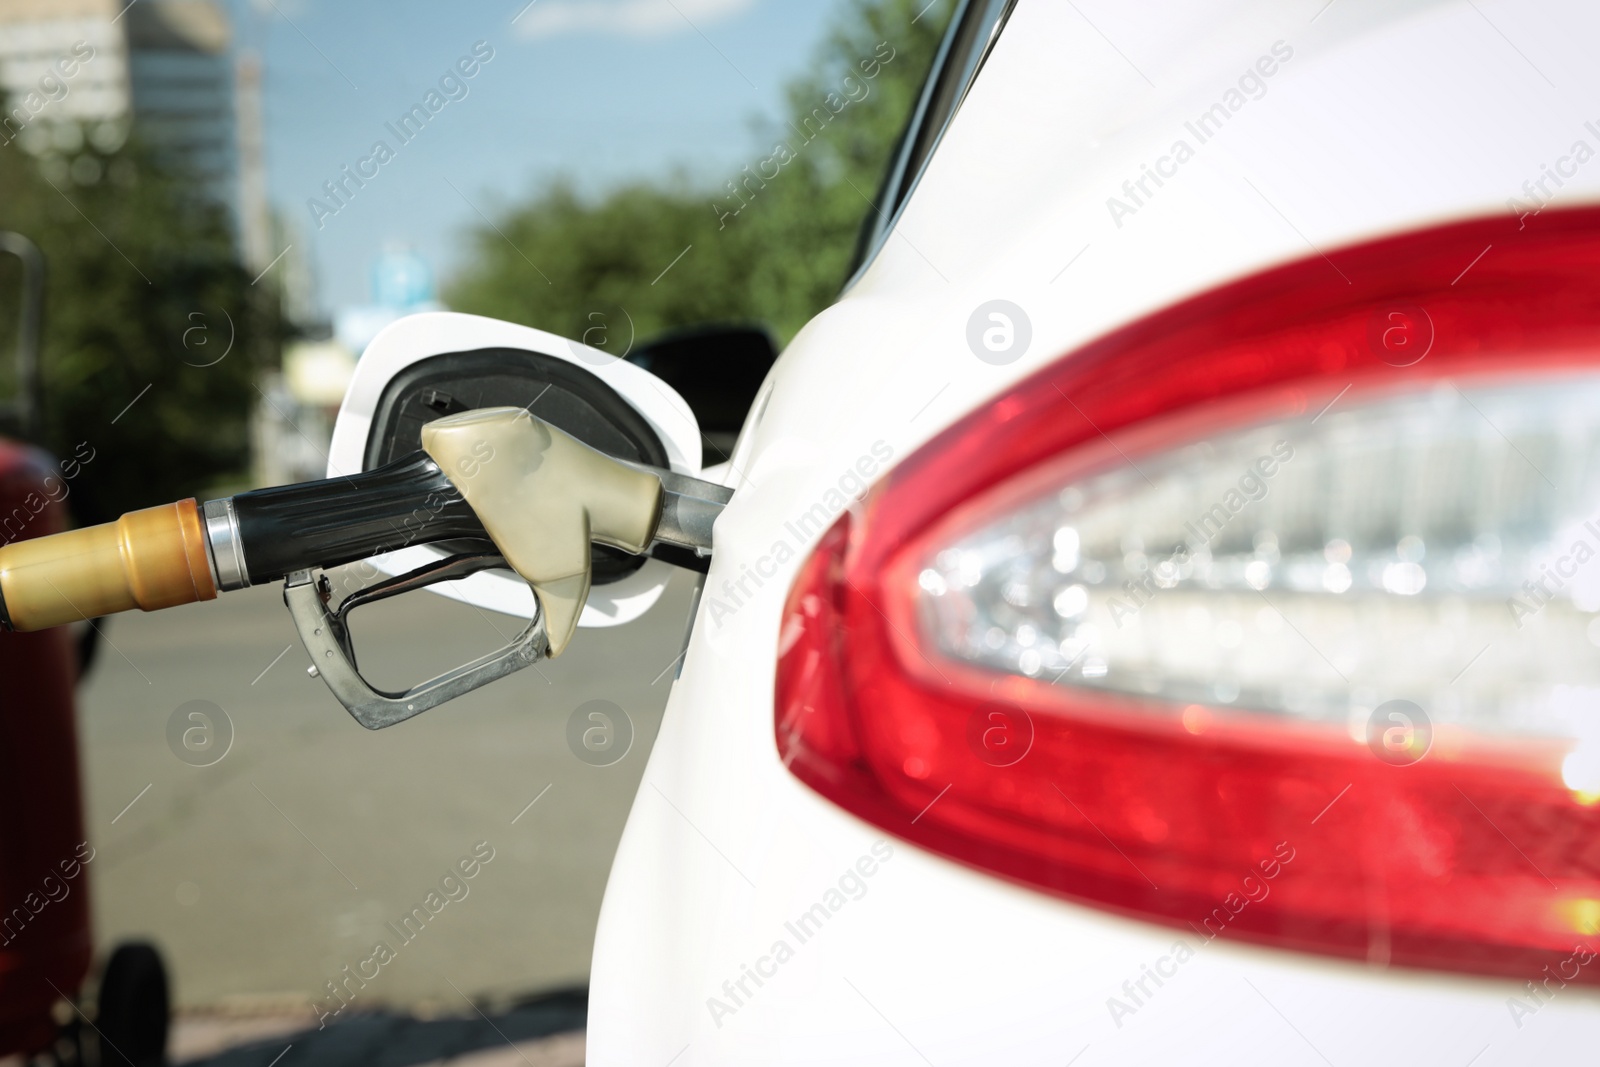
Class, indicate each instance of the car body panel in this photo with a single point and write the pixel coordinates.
(1386, 118)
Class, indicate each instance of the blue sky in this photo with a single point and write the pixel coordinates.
(597, 90)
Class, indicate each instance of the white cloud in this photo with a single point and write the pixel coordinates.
(628, 18)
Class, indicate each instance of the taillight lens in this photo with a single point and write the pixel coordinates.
(1300, 568)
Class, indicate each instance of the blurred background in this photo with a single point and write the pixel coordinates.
(231, 198)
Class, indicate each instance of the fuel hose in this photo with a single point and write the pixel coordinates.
(184, 552)
(542, 505)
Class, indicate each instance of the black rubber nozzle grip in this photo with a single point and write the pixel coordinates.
(341, 520)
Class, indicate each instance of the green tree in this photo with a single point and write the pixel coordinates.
(569, 266)
(143, 282)
(770, 244)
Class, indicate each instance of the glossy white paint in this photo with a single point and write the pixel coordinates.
(1387, 116)
(417, 337)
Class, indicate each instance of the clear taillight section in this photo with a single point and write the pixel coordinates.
(1427, 547)
(1253, 579)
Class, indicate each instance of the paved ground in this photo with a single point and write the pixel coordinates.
(545, 1032)
(264, 876)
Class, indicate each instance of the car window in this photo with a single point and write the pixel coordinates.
(972, 33)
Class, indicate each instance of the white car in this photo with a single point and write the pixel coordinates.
(1154, 622)
(1152, 617)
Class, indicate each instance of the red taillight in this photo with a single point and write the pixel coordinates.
(943, 672)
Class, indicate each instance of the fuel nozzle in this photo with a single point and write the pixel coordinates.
(503, 487)
(543, 496)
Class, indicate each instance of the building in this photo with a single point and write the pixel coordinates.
(61, 62)
(180, 73)
(80, 73)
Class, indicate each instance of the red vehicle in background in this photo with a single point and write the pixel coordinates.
(46, 946)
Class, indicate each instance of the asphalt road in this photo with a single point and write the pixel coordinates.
(266, 874)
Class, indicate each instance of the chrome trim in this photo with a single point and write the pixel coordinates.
(223, 546)
(326, 634)
(689, 508)
(211, 557)
(899, 185)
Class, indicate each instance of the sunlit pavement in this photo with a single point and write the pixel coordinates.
(280, 868)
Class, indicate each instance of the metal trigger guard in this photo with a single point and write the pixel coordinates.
(326, 635)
